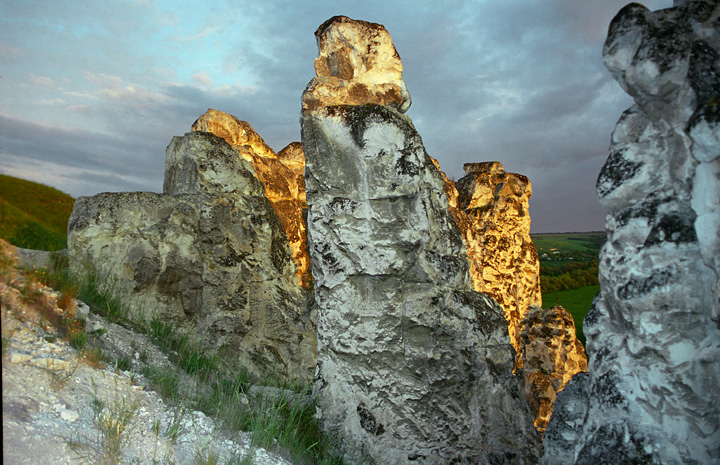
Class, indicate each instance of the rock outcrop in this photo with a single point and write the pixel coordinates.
(209, 254)
(280, 175)
(413, 364)
(552, 355)
(651, 395)
(491, 208)
(357, 64)
(495, 224)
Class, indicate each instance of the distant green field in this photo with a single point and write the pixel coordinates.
(32, 215)
(575, 301)
(568, 242)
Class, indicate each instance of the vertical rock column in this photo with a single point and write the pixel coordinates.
(491, 207)
(503, 260)
(651, 394)
(413, 364)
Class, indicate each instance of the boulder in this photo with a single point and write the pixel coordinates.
(209, 255)
(552, 355)
(414, 365)
(283, 183)
(650, 395)
(357, 64)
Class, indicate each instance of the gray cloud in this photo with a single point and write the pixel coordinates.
(92, 92)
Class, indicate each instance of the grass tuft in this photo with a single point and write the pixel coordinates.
(113, 424)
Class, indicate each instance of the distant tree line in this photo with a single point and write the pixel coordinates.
(571, 275)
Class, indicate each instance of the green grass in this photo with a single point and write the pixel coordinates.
(112, 420)
(32, 215)
(575, 301)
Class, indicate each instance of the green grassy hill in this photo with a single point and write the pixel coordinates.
(568, 244)
(568, 271)
(32, 215)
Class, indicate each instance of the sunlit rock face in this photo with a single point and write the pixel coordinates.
(209, 255)
(651, 394)
(552, 355)
(414, 365)
(491, 208)
(503, 260)
(357, 64)
(283, 182)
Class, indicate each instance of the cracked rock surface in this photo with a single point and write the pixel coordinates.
(414, 365)
(209, 253)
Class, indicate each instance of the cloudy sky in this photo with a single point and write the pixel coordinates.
(91, 92)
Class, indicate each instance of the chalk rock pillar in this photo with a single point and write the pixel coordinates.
(413, 364)
(284, 184)
(209, 254)
(651, 393)
(503, 260)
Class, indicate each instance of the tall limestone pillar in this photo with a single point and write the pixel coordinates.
(413, 364)
(651, 392)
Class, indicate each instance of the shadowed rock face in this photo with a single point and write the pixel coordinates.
(413, 364)
(281, 175)
(651, 394)
(210, 254)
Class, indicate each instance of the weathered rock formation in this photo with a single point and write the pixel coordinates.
(356, 64)
(210, 254)
(552, 355)
(651, 394)
(495, 223)
(281, 175)
(413, 364)
(491, 208)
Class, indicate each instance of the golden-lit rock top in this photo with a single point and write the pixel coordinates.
(357, 64)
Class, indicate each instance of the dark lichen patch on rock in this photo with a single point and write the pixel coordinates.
(368, 421)
(639, 286)
(616, 444)
(678, 227)
(616, 171)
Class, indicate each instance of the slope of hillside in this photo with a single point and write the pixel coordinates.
(32, 215)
